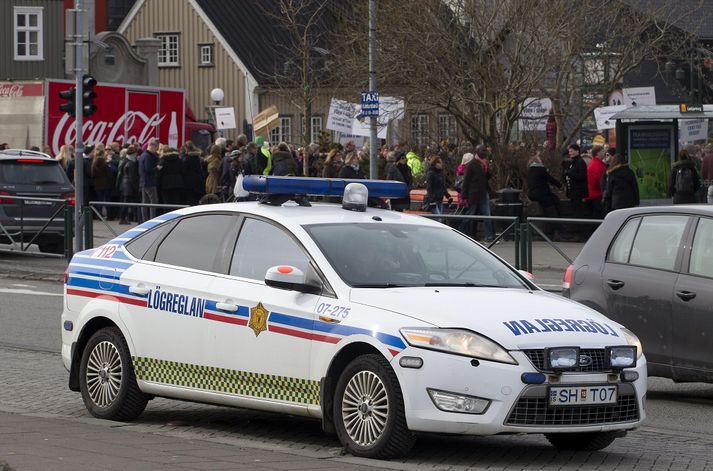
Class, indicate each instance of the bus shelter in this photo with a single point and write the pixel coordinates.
(650, 137)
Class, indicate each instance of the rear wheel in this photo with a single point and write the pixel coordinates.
(589, 441)
(369, 410)
(107, 380)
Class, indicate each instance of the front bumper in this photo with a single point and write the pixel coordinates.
(515, 407)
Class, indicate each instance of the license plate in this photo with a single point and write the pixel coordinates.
(582, 395)
(38, 203)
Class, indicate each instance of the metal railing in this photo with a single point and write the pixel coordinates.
(531, 223)
(16, 238)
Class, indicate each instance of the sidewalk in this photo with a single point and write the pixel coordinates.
(548, 265)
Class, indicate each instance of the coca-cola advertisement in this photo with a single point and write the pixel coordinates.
(20, 89)
(124, 114)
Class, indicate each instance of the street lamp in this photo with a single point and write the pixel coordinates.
(217, 96)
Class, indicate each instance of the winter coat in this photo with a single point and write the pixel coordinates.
(283, 164)
(622, 189)
(475, 182)
(538, 185)
(347, 171)
(148, 173)
(595, 170)
(400, 173)
(684, 198)
(171, 173)
(414, 163)
(102, 178)
(575, 175)
(331, 171)
(127, 182)
(211, 182)
(435, 186)
(193, 177)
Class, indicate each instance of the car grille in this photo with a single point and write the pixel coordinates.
(598, 356)
(536, 411)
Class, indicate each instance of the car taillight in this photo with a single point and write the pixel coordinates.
(70, 197)
(567, 280)
(6, 200)
(31, 161)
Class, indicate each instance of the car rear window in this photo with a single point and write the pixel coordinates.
(32, 172)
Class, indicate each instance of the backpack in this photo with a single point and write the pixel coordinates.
(685, 181)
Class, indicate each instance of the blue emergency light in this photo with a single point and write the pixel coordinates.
(320, 186)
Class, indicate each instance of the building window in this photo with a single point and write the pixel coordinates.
(283, 132)
(447, 129)
(168, 53)
(206, 55)
(315, 130)
(28, 34)
(419, 129)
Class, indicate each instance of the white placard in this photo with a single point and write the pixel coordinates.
(639, 96)
(534, 114)
(362, 128)
(341, 115)
(692, 130)
(225, 118)
(602, 115)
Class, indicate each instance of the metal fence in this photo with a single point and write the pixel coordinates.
(17, 230)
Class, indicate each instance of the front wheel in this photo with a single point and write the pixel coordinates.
(587, 441)
(369, 410)
(107, 380)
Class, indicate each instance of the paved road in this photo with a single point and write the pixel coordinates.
(678, 435)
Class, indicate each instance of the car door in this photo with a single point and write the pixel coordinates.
(639, 276)
(693, 308)
(262, 338)
(170, 291)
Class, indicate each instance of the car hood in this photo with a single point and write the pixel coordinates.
(515, 318)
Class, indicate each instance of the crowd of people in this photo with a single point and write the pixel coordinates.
(594, 183)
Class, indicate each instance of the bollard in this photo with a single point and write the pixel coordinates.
(88, 227)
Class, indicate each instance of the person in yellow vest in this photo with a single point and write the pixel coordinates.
(264, 166)
(414, 163)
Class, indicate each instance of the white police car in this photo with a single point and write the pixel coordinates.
(381, 324)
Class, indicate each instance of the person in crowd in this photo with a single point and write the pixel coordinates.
(575, 179)
(685, 181)
(539, 183)
(621, 190)
(460, 175)
(65, 156)
(397, 169)
(170, 175)
(213, 168)
(210, 198)
(595, 171)
(435, 185)
(193, 178)
(4, 146)
(264, 157)
(414, 163)
(102, 180)
(313, 155)
(332, 164)
(148, 179)
(283, 163)
(351, 169)
(227, 177)
(251, 158)
(87, 163)
(476, 191)
(707, 172)
(127, 182)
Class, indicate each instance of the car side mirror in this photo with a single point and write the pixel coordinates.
(291, 278)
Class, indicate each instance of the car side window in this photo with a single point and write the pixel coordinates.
(621, 248)
(195, 241)
(702, 251)
(262, 245)
(657, 241)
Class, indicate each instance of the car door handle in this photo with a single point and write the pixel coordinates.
(685, 295)
(615, 284)
(227, 307)
(140, 290)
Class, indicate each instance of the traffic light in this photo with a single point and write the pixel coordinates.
(88, 95)
(70, 106)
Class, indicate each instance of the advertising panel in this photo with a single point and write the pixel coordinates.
(650, 156)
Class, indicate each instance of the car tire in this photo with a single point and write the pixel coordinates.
(106, 378)
(51, 246)
(587, 441)
(369, 410)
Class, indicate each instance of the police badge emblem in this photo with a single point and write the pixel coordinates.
(258, 319)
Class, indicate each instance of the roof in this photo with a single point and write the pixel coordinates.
(251, 30)
(692, 16)
(654, 112)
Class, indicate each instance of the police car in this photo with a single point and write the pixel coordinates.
(378, 323)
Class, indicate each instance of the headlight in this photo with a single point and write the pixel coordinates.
(460, 342)
(622, 357)
(632, 339)
(562, 358)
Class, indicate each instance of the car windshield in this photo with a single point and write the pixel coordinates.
(395, 255)
(32, 173)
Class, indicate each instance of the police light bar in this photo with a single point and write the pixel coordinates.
(320, 186)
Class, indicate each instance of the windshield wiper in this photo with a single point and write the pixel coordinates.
(381, 285)
(466, 284)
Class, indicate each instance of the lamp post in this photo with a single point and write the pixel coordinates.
(217, 96)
